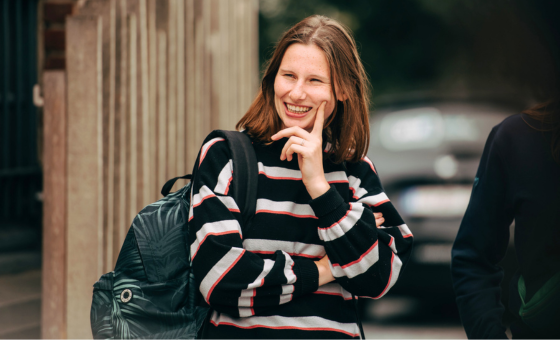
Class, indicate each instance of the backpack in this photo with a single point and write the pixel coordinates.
(152, 291)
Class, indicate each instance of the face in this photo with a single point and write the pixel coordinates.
(302, 83)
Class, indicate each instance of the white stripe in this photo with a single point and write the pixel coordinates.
(214, 228)
(205, 193)
(393, 246)
(289, 208)
(279, 173)
(224, 178)
(283, 322)
(228, 202)
(395, 272)
(245, 312)
(404, 229)
(268, 264)
(366, 159)
(287, 291)
(214, 275)
(374, 200)
(354, 183)
(288, 269)
(246, 298)
(336, 176)
(191, 208)
(207, 145)
(340, 228)
(359, 267)
(334, 289)
(292, 248)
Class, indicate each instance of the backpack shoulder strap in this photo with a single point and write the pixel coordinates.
(245, 172)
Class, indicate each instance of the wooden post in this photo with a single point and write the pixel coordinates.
(53, 304)
(84, 169)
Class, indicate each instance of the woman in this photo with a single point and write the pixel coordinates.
(518, 179)
(313, 241)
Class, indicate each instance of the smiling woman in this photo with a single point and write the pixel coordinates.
(324, 231)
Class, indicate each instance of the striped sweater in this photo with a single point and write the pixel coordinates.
(264, 284)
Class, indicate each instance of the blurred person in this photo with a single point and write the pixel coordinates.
(316, 239)
(518, 179)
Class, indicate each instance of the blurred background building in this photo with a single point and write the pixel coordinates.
(101, 101)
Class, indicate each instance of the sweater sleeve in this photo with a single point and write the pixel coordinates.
(364, 259)
(231, 279)
(480, 245)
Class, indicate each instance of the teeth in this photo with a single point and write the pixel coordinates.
(297, 109)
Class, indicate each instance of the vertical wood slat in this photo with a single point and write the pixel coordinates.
(162, 107)
(53, 301)
(172, 90)
(152, 80)
(122, 117)
(132, 175)
(146, 140)
(180, 169)
(84, 179)
(106, 10)
(191, 137)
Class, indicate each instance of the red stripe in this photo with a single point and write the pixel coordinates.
(379, 203)
(358, 260)
(204, 155)
(334, 294)
(291, 254)
(339, 181)
(388, 281)
(391, 242)
(215, 234)
(286, 327)
(343, 217)
(354, 194)
(229, 182)
(202, 200)
(407, 235)
(365, 159)
(222, 276)
(285, 213)
(234, 210)
(285, 178)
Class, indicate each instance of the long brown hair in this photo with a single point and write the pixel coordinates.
(347, 129)
(548, 115)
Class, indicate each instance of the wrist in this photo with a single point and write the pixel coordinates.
(317, 188)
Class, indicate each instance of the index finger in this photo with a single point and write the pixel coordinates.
(319, 120)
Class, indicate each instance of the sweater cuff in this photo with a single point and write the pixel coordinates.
(307, 275)
(326, 203)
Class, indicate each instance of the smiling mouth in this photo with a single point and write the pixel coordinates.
(297, 109)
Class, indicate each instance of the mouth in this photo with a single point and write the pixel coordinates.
(297, 110)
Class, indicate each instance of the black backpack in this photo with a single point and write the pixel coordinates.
(152, 292)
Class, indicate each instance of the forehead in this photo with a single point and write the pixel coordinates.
(308, 59)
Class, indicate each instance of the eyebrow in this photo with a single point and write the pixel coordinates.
(326, 79)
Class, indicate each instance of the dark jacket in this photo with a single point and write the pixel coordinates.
(517, 180)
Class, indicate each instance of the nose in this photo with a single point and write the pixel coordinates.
(298, 92)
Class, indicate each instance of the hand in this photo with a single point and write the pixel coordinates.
(378, 219)
(309, 148)
(325, 274)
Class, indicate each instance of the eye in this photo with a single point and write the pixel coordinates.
(289, 75)
(315, 79)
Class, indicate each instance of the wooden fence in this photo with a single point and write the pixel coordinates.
(145, 82)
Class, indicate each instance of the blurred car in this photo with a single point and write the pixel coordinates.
(427, 154)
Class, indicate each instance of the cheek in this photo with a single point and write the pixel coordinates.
(279, 88)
